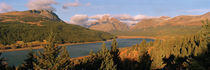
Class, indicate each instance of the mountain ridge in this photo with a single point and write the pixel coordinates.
(162, 26)
(30, 16)
(108, 24)
(35, 25)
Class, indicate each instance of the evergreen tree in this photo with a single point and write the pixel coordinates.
(143, 46)
(195, 65)
(143, 43)
(144, 62)
(103, 51)
(91, 53)
(115, 52)
(108, 63)
(114, 47)
(2, 63)
(52, 57)
(107, 59)
(28, 64)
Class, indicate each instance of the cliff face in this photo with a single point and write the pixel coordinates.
(109, 24)
(51, 15)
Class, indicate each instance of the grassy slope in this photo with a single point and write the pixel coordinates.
(162, 31)
(176, 26)
(26, 26)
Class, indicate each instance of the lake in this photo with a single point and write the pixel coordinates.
(77, 50)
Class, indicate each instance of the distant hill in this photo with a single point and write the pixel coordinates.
(35, 25)
(187, 20)
(153, 22)
(163, 26)
(109, 24)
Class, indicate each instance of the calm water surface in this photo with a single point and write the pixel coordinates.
(17, 57)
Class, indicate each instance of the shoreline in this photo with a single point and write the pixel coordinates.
(65, 44)
(40, 47)
(132, 37)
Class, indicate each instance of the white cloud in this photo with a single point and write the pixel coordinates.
(198, 11)
(85, 20)
(79, 19)
(140, 17)
(123, 17)
(74, 4)
(99, 16)
(5, 8)
(133, 18)
(130, 22)
(41, 4)
(88, 4)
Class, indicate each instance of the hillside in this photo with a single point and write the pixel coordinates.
(35, 25)
(189, 52)
(153, 22)
(29, 17)
(165, 26)
(109, 24)
(185, 20)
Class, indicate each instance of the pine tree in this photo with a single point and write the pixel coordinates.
(115, 52)
(2, 63)
(195, 65)
(144, 62)
(28, 64)
(143, 43)
(107, 59)
(52, 57)
(103, 51)
(143, 46)
(183, 52)
(114, 47)
(108, 63)
(91, 53)
(150, 44)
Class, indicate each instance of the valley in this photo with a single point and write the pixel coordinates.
(104, 35)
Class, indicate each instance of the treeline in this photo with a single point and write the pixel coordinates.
(188, 53)
(11, 32)
(54, 57)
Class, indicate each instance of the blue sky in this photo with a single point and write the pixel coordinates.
(131, 7)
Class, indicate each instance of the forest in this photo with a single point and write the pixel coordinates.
(188, 53)
(12, 32)
(26, 29)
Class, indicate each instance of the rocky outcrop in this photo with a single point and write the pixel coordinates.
(109, 24)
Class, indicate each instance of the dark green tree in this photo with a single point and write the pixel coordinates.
(115, 52)
(52, 57)
(91, 53)
(143, 43)
(28, 63)
(144, 62)
(143, 46)
(3, 65)
(108, 63)
(107, 59)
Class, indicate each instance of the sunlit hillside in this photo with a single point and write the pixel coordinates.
(104, 35)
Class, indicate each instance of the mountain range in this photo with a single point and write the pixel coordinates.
(109, 24)
(164, 25)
